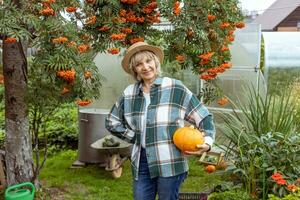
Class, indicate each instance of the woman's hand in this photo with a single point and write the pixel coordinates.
(201, 149)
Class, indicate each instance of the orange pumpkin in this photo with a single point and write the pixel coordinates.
(210, 168)
(187, 138)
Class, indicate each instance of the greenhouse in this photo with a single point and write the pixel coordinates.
(244, 74)
(282, 53)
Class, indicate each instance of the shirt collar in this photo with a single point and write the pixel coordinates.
(157, 82)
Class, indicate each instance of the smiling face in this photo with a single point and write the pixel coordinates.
(145, 66)
(146, 69)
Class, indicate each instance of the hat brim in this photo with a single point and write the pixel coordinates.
(142, 47)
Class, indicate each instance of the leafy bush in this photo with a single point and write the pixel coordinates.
(292, 196)
(61, 129)
(229, 195)
(262, 140)
(261, 156)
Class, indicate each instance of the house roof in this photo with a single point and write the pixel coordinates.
(276, 13)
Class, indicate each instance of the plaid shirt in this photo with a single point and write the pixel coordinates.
(170, 101)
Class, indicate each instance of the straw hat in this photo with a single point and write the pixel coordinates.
(140, 46)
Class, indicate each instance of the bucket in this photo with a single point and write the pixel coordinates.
(91, 128)
(19, 192)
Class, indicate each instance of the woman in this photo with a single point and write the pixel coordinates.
(147, 115)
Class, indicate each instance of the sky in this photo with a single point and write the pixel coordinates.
(259, 5)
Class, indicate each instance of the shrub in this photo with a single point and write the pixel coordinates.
(229, 195)
(292, 196)
(262, 140)
(62, 129)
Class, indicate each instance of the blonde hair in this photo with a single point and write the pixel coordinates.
(136, 58)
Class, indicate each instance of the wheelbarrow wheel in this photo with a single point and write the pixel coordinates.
(115, 162)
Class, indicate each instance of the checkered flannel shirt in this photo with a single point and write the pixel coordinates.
(170, 100)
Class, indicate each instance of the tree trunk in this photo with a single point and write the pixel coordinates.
(18, 148)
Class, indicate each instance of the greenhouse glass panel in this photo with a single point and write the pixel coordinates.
(115, 79)
(244, 73)
(282, 59)
(246, 47)
(282, 49)
(236, 83)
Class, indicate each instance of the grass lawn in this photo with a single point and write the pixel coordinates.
(61, 182)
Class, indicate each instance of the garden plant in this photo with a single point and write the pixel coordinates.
(263, 144)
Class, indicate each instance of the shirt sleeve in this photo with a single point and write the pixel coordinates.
(116, 124)
(198, 115)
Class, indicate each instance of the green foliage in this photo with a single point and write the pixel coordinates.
(262, 114)
(27, 23)
(280, 78)
(262, 140)
(62, 129)
(193, 34)
(292, 196)
(210, 92)
(46, 94)
(229, 195)
(12, 21)
(45, 89)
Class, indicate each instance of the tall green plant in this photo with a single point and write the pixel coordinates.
(265, 113)
(261, 139)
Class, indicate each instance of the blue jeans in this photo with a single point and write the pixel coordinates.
(146, 188)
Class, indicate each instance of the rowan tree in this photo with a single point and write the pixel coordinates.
(64, 36)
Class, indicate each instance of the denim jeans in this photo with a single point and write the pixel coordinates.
(146, 188)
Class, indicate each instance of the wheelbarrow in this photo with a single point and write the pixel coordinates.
(116, 155)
